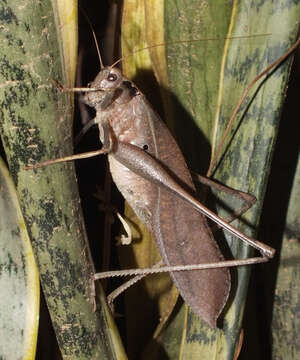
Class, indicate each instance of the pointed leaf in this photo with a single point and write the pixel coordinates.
(19, 278)
(36, 125)
(201, 84)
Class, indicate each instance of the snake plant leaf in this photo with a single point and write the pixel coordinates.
(19, 278)
(201, 82)
(285, 319)
(276, 334)
(36, 125)
(154, 296)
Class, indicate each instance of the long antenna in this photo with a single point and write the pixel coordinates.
(186, 41)
(242, 98)
(98, 50)
(94, 36)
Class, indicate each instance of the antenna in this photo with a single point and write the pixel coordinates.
(94, 36)
(187, 41)
(273, 65)
(98, 50)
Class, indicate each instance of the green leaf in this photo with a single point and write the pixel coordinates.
(19, 278)
(36, 125)
(285, 327)
(201, 82)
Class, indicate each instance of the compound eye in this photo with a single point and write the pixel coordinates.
(112, 77)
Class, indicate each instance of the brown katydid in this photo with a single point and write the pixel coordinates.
(149, 170)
